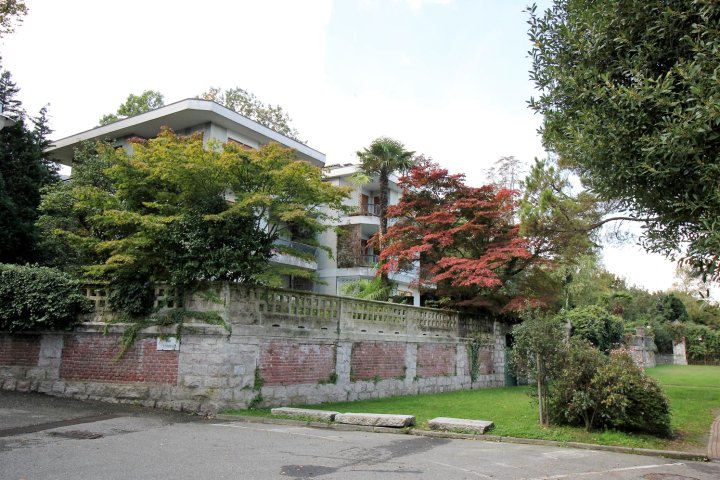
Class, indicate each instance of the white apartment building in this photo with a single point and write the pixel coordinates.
(352, 257)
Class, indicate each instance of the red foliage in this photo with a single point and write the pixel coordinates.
(465, 238)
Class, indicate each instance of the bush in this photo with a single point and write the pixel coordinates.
(572, 400)
(703, 342)
(597, 326)
(39, 298)
(632, 400)
(600, 392)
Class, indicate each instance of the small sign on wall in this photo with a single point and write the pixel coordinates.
(168, 343)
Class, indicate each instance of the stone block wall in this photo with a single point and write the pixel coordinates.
(678, 357)
(642, 348)
(284, 348)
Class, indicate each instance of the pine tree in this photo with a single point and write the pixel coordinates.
(23, 172)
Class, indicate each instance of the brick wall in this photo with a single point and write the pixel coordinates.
(435, 360)
(287, 362)
(297, 341)
(382, 360)
(485, 362)
(95, 357)
(21, 350)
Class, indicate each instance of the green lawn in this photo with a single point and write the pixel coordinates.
(694, 394)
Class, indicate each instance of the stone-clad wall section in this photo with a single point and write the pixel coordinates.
(284, 348)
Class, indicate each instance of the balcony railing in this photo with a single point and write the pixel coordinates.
(300, 247)
(367, 209)
(368, 260)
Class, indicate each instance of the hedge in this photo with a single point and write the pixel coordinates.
(39, 298)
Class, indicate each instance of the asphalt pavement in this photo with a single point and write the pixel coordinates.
(50, 438)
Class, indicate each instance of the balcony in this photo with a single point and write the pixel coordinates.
(367, 261)
(297, 246)
(281, 255)
(369, 209)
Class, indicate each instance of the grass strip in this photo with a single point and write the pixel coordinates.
(692, 391)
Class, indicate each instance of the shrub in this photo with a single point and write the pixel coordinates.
(703, 342)
(596, 325)
(572, 400)
(600, 392)
(38, 298)
(632, 400)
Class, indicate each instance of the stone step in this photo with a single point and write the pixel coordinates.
(460, 424)
(376, 419)
(324, 415)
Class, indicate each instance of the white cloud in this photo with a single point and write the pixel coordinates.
(417, 5)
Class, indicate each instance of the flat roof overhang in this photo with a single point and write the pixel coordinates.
(179, 116)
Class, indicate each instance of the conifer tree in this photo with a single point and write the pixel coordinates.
(24, 170)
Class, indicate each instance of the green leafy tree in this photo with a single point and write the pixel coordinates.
(384, 157)
(247, 104)
(11, 12)
(539, 354)
(24, 170)
(135, 105)
(628, 91)
(671, 308)
(65, 223)
(700, 310)
(179, 212)
(561, 222)
(596, 325)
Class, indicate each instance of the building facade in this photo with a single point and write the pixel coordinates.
(353, 256)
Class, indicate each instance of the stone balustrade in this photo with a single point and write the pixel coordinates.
(275, 308)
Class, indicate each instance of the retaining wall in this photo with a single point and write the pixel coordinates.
(284, 348)
(678, 357)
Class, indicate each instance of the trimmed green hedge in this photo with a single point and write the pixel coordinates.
(39, 298)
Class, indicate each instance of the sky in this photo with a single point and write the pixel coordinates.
(448, 78)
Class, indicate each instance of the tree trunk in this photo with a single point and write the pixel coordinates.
(384, 191)
(541, 394)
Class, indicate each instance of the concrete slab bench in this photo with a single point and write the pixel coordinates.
(376, 419)
(323, 415)
(462, 424)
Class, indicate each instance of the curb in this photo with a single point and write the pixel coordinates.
(714, 444)
(467, 436)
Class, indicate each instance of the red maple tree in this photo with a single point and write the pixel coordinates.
(464, 238)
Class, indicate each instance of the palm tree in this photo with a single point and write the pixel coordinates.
(383, 157)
